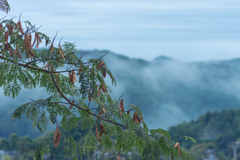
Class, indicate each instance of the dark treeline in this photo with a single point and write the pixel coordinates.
(214, 130)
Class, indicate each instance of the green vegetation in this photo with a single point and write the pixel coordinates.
(211, 131)
(129, 128)
(214, 130)
(124, 132)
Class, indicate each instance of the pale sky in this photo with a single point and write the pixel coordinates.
(186, 30)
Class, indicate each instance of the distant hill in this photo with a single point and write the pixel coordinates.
(172, 91)
(162, 58)
(213, 130)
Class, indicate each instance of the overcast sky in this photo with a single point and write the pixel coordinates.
(187, 30)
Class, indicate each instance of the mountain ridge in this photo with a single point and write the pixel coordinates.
(174, 90)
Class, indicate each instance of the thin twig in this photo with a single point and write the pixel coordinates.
(82, 55)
